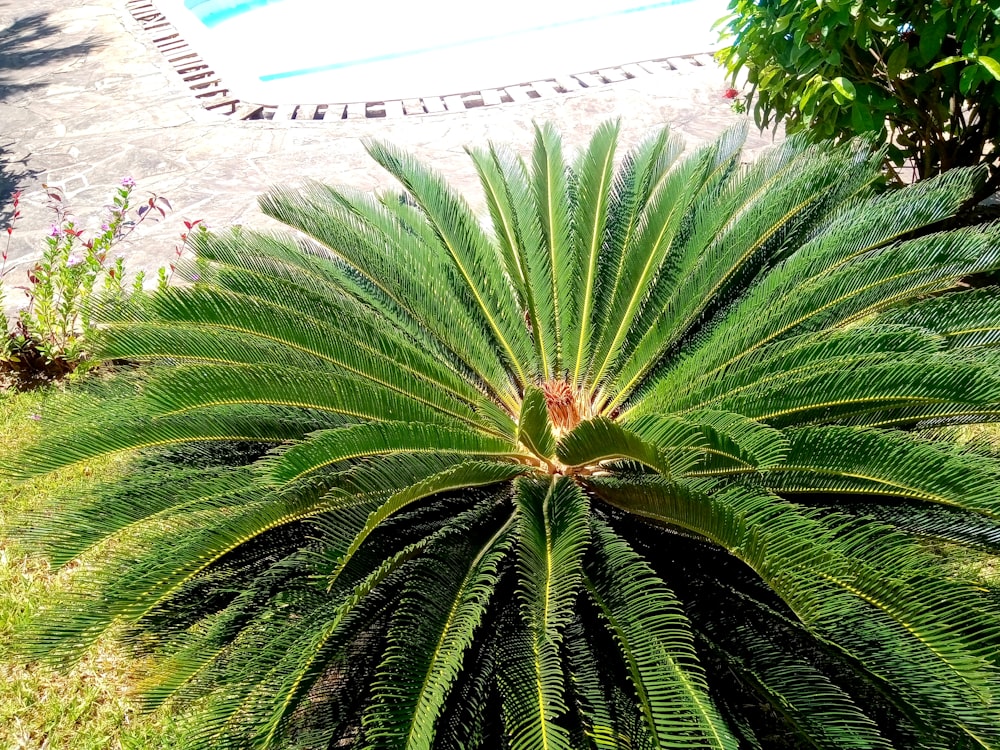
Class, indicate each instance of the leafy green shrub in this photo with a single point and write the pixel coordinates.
(53, 331)
(15, 214)
(634, 466)
(922, 75)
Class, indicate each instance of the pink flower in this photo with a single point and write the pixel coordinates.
(55, 231)
(74, 259)
(730, 94)
(128, 182)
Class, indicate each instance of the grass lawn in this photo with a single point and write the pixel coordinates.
(92, 706)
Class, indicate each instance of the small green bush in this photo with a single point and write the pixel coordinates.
(922, 75)
(53, 331)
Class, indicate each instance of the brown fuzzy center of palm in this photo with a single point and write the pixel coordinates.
(561, 400)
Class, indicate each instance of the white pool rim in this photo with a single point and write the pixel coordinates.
(346, 55)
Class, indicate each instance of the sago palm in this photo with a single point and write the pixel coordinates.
(656, 455)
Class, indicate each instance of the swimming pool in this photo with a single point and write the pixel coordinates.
(314, 51)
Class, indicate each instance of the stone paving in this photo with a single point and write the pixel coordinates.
(86, 99)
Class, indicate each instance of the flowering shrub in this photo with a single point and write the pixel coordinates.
(736, 103)
(15, 215)
(53, 329)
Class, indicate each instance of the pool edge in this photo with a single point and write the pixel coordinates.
(214, 96)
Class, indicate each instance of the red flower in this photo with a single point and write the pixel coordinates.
(730, 94)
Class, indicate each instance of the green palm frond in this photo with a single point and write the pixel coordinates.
(417, 281)
(638, 177)
(865, 387)
(128, 424)
(557, 262)
(463, 475)
(534, 429)
(329, 447)
(886, 464)
(185, 389)
(432, 633)
(713, 442)
(508, 192)
(553, 535)
(756, 646)
(788, 358)
(649, 456)
(827, 285)
(149, 497)
(859, 586)
(935, 522)
(647, 622)
(473, 253)
(661, 219)
(607, 724)
(967, 319)
(600, 440)
(744, 231)
(595, 171)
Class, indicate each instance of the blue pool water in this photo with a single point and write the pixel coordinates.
(212, 12)
(316, 51)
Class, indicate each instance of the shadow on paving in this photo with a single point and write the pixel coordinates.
(14, 173)
(28, 43)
